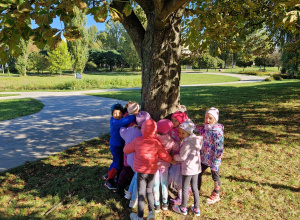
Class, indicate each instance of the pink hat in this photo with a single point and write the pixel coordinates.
(141, 117)
(133, 107)
(214, 112)
(164, 126)
(180, 116)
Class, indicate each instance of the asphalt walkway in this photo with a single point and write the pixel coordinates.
(67, 119)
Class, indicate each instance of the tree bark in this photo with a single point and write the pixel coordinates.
(161, 56)
(159, 49)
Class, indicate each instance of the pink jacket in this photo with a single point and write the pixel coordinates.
(147, 149)
(169, 144)
(190, 155)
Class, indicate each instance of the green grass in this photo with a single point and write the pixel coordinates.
(259, 171)
(15, 108)
(95, 80)
(5, 95)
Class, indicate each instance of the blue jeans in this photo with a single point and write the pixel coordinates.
(133, 187)
(117, 153)
(161, 178)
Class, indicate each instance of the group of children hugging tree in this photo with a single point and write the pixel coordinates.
(162, 154)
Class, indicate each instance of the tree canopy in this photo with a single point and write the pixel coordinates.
(156, 28)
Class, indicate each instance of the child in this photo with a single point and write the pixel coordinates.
(116, 142)
(128, 134)
(132, 109)
(189, 156)
(164, 126)
(211, 153)
(127, 173)
(177, 118)
(147, 150)
(174, 172)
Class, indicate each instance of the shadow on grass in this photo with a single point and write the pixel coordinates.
(275, 186)
(74, 175)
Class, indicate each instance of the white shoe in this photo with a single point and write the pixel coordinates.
(133, 204)
(127, 195)
(151, 215)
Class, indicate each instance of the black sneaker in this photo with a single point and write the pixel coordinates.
(104, 177)
(165, 206)
(157, 208)
(110, 184)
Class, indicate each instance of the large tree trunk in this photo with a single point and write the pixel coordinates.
(159, 49)
(161, 55)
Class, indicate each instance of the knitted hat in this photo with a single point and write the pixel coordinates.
(133, 107)
(179, 116)
(116, 106)
(164, 126)
(214, 112)
(188, 126)
(141, 117)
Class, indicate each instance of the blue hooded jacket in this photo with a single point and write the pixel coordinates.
(115, 125)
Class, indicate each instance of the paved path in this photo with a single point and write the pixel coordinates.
(67, 119)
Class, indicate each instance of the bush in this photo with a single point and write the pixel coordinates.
(277, 77)
(90, 66)
(269, 79)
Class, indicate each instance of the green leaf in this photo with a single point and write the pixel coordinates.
(101, 14)
(127, 9)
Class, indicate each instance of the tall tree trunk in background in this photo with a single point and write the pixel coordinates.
(159, 49)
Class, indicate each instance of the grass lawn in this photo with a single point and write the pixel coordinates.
(259, 172)
(14, 108)
(5, 95)
(96, 80)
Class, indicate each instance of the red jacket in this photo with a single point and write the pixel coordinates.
(147, 149)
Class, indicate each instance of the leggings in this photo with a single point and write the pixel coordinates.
(145, 186)
(186, 180)
(215, 176)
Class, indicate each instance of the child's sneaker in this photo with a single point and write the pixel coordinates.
(157, 208)
(179, 210)
(127, 195)
(104, 177)
(110, 184)
(151, 215)
(134, 216)
(133, 203)
(195, 211)
(176, 201)
(165, 206)
(214, 197)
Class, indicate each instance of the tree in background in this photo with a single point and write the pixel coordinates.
(274, 59)
(21, 62)
(60, 59)
(37, 62)
(206, 61)
(94, 41)
(79, 47)
(244, 63)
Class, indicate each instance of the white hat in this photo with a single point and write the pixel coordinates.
(188, 126)
(214, 112)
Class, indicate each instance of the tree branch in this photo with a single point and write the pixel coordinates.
(171, 6)
(132, 25)
(146, 5)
